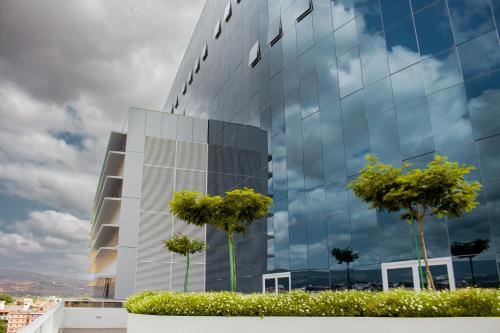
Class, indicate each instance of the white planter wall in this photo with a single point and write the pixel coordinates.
(95, 318)
(180, 324)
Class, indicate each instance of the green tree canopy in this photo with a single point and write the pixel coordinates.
(440, 189)
(232, 213)
(469, 250)
(346, 256)
(7, 298)
(184, 246)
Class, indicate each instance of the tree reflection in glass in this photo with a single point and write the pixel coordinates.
(346, 256)
(469, 250)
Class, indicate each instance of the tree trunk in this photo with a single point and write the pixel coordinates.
(430, 281)
(232, 261)
(472, 272)
(348, 277)
(187, 274)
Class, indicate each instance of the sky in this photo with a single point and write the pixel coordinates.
(69, 70)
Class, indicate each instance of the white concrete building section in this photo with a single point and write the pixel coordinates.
(153, 155)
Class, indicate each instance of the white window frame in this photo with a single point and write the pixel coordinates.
(276, 276)
(413, 264)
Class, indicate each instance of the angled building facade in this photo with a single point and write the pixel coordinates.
(154, 155)
(332, 81)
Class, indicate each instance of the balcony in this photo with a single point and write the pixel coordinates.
(103, 260)
(73, 316)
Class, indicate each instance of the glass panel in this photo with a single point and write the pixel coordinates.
(274, 32)
(400, 278)
(367, 277)
(292, 105)
(432, 40)
(483, 99)
(342, 11)
(419, 4)
(489, 158)
(325, 52)
(384, 137)
(295, 173)
(328, 84)
(439, 276)
(493, 205)
(365, 239)
(330, 118)
(369, 19)
(415, 133)
(408, 85)
(308, 95)
(478, 271)
(480, 55)
(336, 198)
(303, 7)
(291, 75)
(470, 18)
(317, 247)
(289, 45)
(313, 171)
(441, 71)
(311, 130)
(378, 97)
(294, 139)
(394, 10)
(396, 237)
(353, 108)
(322, 18)
(334, 157)
(270, 285)
(254, 55)
(281, 241)
(357, 145)
(283, 285)
(450, 117)
(307, 63)
(401, 44)
(275, 59)
(374, 58)
(298, 232)
(305, 34)
(346, 38)
(349, 72)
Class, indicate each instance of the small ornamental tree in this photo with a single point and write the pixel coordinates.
(440, 189)
(346, 256)
(184, 246)
(469, 250)
(231, 213)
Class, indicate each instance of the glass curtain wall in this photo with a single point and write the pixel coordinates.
(403, 79)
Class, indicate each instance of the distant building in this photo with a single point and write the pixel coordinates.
(4, 313)
(19, 319)
(27, 302)
(155, 154)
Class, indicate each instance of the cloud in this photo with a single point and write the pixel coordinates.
(10, 243)
(74, 75)
(47, 241)
(56, 225)
(68, 73)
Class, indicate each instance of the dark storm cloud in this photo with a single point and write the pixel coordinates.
(69, 70)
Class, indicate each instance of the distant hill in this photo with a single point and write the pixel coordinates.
(22, 283)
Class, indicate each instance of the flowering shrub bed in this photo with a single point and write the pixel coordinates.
(396, 303)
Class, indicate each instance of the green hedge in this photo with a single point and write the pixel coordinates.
(396, 303)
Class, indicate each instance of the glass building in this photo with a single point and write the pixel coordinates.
(332, 81)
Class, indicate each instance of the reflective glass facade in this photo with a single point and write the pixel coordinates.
(402, 79)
